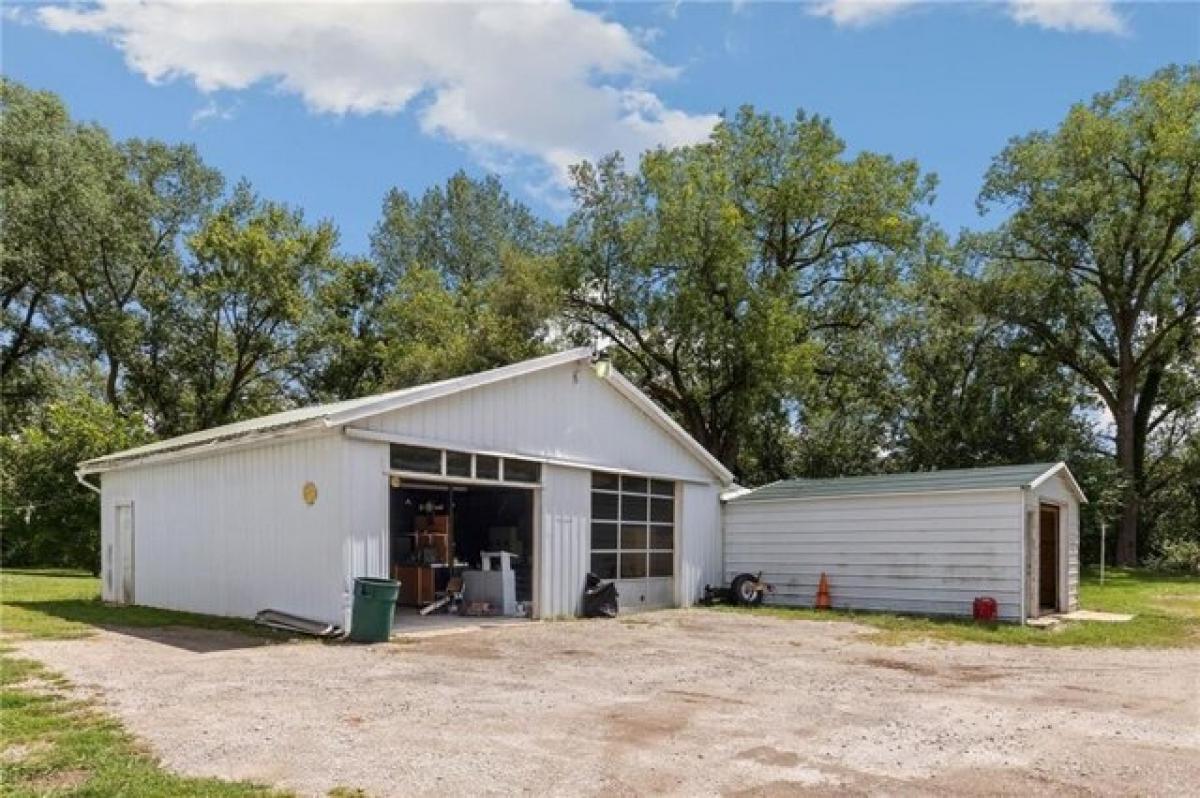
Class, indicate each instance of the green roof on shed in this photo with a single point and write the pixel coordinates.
(989, 478)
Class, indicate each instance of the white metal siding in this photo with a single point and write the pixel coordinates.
(114, 489)
(564, 540)
(229, 534)
(929, 553)
(364, 470)
(563, 413)
(699, 541)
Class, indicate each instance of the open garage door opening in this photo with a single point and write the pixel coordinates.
(441, 535)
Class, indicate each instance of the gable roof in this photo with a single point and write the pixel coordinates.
(336, 414)
(950, 480)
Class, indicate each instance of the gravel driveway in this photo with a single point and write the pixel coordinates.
(688, 702)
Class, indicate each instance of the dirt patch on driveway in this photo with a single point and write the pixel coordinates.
(767, 755)
(687, 702)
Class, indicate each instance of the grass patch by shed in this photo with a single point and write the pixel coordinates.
(1166, 612)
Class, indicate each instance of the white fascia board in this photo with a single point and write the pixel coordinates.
(747, 491)
(373, 436)
(439, 390)
(309, 428)
(443, 479)
(734, 491)
(1066, 472)
(660, 416)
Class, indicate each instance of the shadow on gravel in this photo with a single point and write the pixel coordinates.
(197, 641)
(188, 631)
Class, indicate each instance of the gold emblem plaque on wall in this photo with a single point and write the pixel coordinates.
(309, 492)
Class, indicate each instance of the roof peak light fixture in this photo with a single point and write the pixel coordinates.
(602, 363)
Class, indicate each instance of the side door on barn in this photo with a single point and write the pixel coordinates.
(119, 573)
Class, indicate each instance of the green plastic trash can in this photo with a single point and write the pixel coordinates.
(371, 614)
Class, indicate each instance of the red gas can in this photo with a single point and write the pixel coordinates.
(984, 608)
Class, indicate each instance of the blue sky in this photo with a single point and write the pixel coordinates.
(328, 107)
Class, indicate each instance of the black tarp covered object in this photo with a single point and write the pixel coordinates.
(599, 598)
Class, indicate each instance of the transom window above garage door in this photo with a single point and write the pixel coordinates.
(449, 463)
(633, 526)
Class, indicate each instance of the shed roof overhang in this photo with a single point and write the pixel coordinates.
(963, 480)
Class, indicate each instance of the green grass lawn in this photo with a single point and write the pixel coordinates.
(1167, 610)
(48, 603)
(54, 744)
(57, 745)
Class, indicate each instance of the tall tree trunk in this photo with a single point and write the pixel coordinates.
(111, 382)
(16, 347)
(1127, 529)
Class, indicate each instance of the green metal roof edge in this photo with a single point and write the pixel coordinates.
(983, 478)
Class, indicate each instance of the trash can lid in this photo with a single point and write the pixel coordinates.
(375, 581)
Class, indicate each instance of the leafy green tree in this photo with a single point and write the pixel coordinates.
(967, 395)
(434, 331)
(1099, 262)
(459, 231)
(725, 273)
(342, 344)
(46, 517)
(225, 329)
(1176, 505)
(460, 281)
(87, 221)
(36, 130)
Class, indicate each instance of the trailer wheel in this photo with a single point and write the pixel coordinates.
(745, 590)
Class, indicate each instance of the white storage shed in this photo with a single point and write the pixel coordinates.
(926, 543)
(560, 460)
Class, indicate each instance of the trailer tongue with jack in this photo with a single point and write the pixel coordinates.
(745, 589)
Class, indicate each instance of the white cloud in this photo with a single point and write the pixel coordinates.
(858, 13)
(213, 110)
(16, 15)
(1093, 16)
(545, 83)
(646, 36)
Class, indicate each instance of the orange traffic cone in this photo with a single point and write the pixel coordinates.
(823, 593)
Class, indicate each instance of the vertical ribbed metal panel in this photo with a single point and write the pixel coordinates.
(564, 535)
(699, 536)
(364, 468)
(230, 534)
(565, 413)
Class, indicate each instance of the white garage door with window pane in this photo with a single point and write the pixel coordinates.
(633, 537)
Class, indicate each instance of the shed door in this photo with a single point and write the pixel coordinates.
(124, 553)
(1048, 558)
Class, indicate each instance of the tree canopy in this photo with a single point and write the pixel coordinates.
(725, 272)
(787, 300)
(1099, 262)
